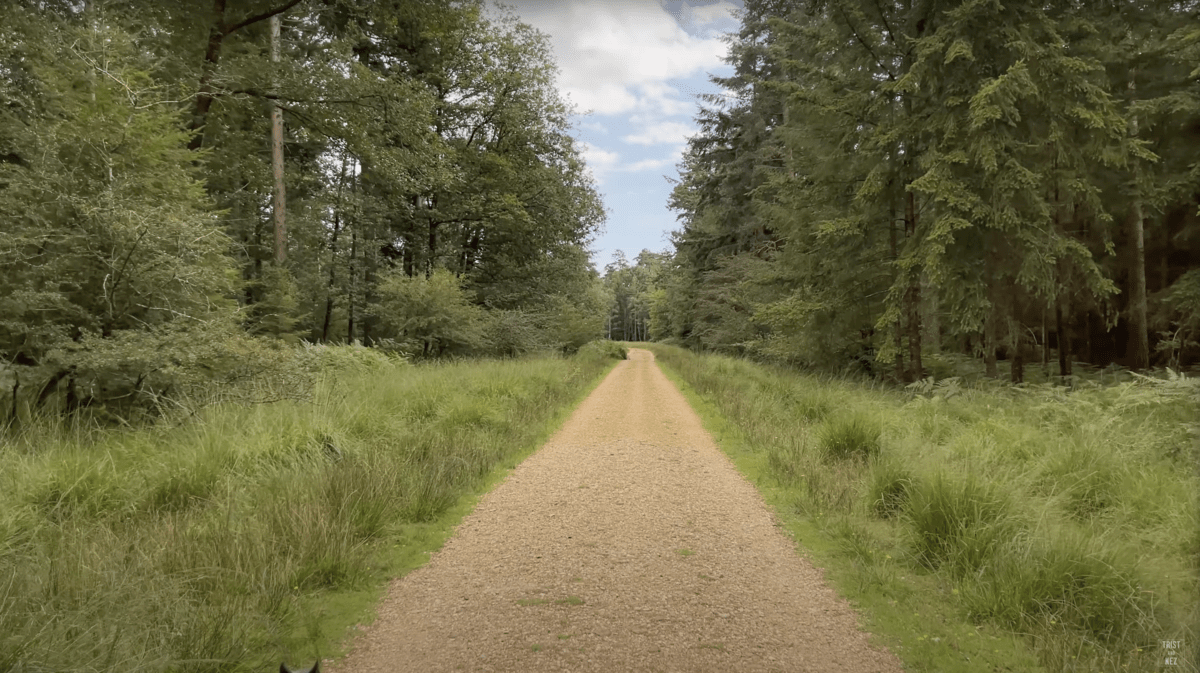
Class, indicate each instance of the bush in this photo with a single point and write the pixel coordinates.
(888, 488)
(354, 358)
(603, 350)
(1087, 478)
(1071, 580)
(430, 316)
(956, 524)
(849, 435)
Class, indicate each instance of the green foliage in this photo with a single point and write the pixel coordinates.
(957, 523)
(1068, 515)
(849, 435)
(603, 350)
(275, 313)
(153, 549)
(429, 316)
(891, 179)
(135, 183)
(110, 240)
(346, 359)
(889, 487)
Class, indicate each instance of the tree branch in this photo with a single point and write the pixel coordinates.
(870, 50)
(228, 29)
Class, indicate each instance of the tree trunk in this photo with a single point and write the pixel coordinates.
(916, 372)
(370, 263)
(930, 318)
(350, 287)
(989, 345)
(991, 251)
(1139, 342)
(1064, 336)
(1016, 338)
(408, 240)
(1016, 369)
(280, 200)
(204, 94)
(1088, 326)
(896, 329)
(1045, 346)
(217, 33)
(15, 421)
(333, 241)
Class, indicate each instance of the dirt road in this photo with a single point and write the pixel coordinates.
(627, 543)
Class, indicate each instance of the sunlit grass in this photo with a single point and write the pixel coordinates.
(190, 546)
(1068, 517)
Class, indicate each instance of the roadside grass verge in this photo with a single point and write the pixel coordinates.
(254, 534)
(980, 527)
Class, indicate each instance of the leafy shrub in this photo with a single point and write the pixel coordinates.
(848, 435)
(430, 316)
(510, 333)
(351, 358)
(603, 350)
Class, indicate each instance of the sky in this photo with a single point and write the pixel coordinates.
(632, 69)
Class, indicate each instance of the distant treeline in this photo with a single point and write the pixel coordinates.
(428, 198)
(886, 180)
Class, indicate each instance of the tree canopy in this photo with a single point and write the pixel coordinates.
(894, 179)
(427, 154)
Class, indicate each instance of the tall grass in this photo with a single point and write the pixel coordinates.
(189, 547)
(1068, 515)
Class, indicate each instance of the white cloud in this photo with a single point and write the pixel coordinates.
(718, 13)
(599, 160)
(708, 20)
(616, 55)
(662, 133)
(650, 164)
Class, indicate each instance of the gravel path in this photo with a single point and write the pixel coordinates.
(627, 543)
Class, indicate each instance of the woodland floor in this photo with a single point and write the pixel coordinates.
(629, 542)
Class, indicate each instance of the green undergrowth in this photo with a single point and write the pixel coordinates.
(248, 535)
(981, 527)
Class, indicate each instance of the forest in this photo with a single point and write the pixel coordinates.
(287, 286)
(188, 190)
(893, 187)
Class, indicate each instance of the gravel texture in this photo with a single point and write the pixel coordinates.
(629, 542)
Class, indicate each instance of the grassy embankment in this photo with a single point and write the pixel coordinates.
(985, 527)
(254, 534)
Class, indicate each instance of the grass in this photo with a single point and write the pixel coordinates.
(981, 526)
(253, 534)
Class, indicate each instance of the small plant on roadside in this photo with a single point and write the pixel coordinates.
(957, 522)
(888, 487)
(851, 434)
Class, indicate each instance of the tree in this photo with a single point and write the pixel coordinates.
(108, 232)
